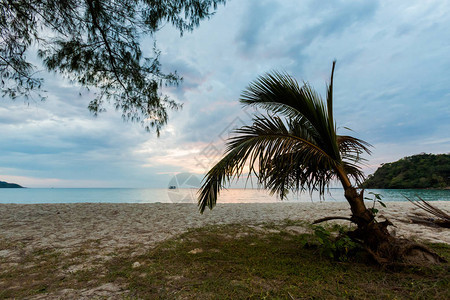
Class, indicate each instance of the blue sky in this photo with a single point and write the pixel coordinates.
(392, 87)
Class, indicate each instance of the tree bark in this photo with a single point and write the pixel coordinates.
(360, 214)
(383, 247)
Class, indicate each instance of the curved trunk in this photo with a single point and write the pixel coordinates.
(360, 214)
(378, 242)
(369, 230)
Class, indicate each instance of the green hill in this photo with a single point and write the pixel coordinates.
(7, 185)
(421, 171)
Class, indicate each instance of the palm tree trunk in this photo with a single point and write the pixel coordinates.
(360, 214)
(383, 247)
(375, 236)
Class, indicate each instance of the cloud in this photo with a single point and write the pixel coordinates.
(36, 182)
(256, 19)
(391, 87)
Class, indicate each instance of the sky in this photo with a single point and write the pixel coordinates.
(391, 87)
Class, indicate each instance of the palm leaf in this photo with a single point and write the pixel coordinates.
(281, 94)
(292, 147)
(272, 151)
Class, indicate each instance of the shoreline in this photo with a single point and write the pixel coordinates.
(62, 196)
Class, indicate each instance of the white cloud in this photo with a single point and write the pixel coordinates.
(391, 87)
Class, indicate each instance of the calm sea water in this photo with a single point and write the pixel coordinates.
(121, 195)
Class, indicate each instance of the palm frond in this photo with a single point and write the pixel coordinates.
(293, 147)
(330, 94)
(299, 172)
(351, 149)
(350, 146)
(279, 159)
(442, 220)
(354, 171)
(331, 125)
(279, 93)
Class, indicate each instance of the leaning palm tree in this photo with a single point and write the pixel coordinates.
(294, 146)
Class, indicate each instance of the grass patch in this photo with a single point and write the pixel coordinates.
(238, 262)
(220, 262)
(45, 271)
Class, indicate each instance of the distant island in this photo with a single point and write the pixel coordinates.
(6, 185)
(421, 171)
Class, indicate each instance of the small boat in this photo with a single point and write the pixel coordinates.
(172, 187)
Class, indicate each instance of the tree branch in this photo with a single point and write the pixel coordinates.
(332, 218)
(108, 48)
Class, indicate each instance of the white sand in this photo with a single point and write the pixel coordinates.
(113, 226)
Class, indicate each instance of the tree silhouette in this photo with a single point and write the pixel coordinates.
(295, 146)
(96, 43)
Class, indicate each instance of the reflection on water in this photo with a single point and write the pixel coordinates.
(28, 196)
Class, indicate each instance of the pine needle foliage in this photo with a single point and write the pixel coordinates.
(97, 44)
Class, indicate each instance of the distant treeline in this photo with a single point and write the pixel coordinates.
(4, 184)
(421, 171)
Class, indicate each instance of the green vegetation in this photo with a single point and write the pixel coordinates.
(419, 171)
(229, 262)
(294, 146)
(98, 45)
(7, 185)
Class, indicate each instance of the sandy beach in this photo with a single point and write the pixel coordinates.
(114, 226)
(107, 228)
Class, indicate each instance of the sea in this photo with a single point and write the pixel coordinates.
(189, 195)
